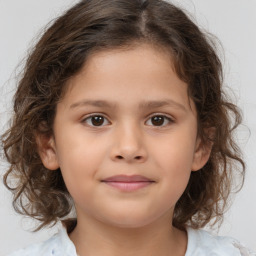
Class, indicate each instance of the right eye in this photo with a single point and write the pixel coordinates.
(94, 120)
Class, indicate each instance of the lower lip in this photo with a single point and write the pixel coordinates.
(128, 186)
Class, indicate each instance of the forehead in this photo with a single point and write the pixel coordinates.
(150, 58)
(133, 74)
(149, 55)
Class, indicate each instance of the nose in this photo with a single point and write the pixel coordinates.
(128, 144)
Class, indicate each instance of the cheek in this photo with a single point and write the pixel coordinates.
(77, 151)
(79, 162)
(174, 161)
(175, 153)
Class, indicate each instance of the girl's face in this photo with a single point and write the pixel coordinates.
(125, 138)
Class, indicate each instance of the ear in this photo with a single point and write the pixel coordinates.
(47, 151)
(202, 151)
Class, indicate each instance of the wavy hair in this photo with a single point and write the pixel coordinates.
(97, 25)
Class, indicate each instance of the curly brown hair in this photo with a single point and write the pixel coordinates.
(95, 25)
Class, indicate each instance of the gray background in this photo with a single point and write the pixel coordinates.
(232, 21)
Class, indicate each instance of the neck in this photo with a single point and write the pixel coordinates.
(157, 239)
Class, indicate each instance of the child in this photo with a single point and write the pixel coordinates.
(121, 114)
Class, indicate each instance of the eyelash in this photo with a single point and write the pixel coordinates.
(170, 120)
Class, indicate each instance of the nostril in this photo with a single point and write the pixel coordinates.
(137, 157)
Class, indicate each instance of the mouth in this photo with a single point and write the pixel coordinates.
(128, 183)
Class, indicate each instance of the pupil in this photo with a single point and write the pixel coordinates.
(97, 120)
(158, 120)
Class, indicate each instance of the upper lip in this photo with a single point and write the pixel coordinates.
(127, 178)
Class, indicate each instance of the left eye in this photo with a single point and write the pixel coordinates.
(160, 120)
(94, 120)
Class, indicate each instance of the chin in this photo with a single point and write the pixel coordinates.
(130, 221)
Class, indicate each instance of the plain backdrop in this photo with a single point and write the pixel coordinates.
(232, 21)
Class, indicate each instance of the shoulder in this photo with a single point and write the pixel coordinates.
(201, 242)
(58, 245)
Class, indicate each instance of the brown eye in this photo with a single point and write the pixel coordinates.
(160, 120)
(97, 120)
(157, 120)
(94, 120)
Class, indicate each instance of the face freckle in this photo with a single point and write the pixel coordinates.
(128, 171)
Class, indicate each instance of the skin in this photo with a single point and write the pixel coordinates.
(129, 142)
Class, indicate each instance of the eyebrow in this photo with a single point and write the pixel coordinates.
(143, 105)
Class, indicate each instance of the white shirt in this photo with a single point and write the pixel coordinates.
(200, 243)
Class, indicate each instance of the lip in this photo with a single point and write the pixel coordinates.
(127, 178)
(127, 183)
